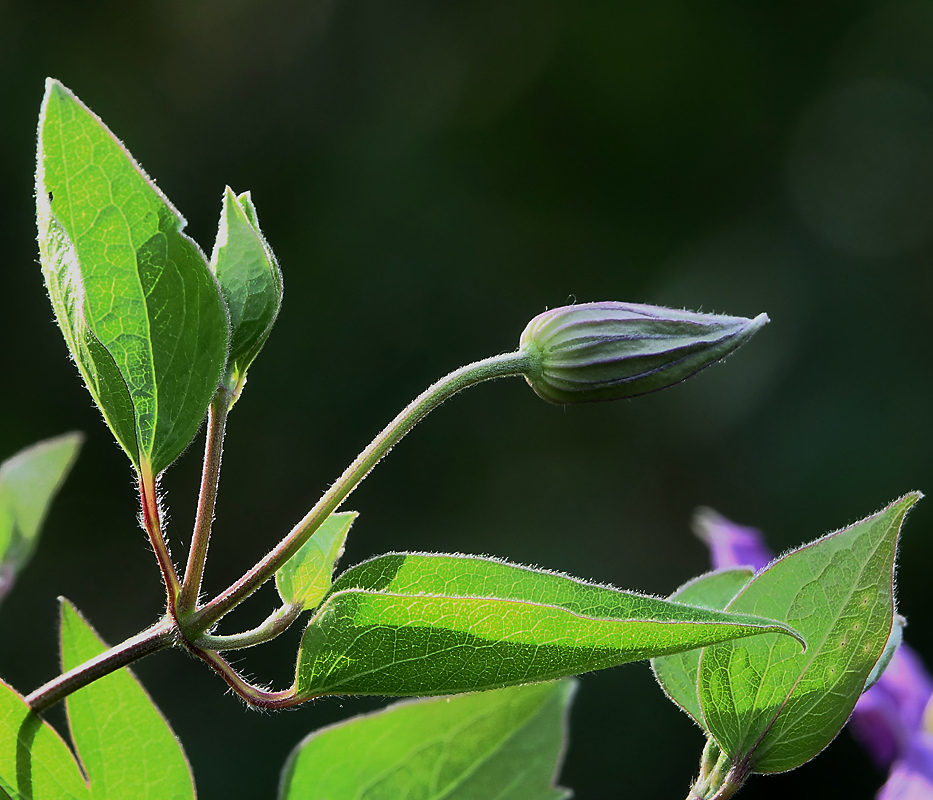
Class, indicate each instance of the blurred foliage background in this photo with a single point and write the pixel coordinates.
(431, 176)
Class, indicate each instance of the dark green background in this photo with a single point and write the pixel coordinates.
(431, 176)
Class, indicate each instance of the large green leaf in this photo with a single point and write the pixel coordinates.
(306, 577)
(500, 745)
(677, 673)
(422, 624)
(768, 705)
(250, 281)
(28, 482)
(128, 750)
(35, 764)
(134, 297)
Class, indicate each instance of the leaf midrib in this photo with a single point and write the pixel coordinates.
(809, 663)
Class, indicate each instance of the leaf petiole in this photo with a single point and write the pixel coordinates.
(153, 524)
(277, 622)
(210, 475)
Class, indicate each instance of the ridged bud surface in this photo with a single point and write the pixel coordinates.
(607, 351)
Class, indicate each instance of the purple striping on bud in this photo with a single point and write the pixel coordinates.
(607, 351)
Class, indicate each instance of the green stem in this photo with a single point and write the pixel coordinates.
(210, 474)
(510, 364)
(275, 623)
(158, 637)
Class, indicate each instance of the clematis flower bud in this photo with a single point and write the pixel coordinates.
(607, 351)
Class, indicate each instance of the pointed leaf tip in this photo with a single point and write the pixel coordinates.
(774, 709)
(138, 307)
(250, 281)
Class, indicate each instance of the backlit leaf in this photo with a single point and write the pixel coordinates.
(136, 302)
(35, 764)
(307, 575)
(128, 750)
(505, 744)
(250, 282)
(677, 673)
(28, 483)
(769, 705)
(422, 624)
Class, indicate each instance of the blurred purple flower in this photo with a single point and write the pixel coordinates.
(911, 777)
(888, 720)
(730, 544)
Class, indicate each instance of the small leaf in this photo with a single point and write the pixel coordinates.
(128, 750)
(28, 483)
(306, 577)
(895, 640)
(422, 624)
(772, 708)
(250, 282)
(506, 744)
(35, 764)
(140, 311)
(677, 673)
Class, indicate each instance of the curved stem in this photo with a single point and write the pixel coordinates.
(253, 695)
(277, 622)
(501, 366)
(210, 474)
(153, 524)
(158, 637)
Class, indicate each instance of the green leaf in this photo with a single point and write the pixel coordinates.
(250, 282)
(134, 297)
(677, 673)
(506, 744)
(35, 764)
(128, 750)
(422, 624)
(773, 708)
(28, 483)
(306, 577)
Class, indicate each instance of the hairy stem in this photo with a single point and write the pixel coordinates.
(277, 622)
(501, 366)
(158, 637)
(253, 695)
(153, 525)
(210, 474)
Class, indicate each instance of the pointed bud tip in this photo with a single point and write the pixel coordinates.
(608, 351)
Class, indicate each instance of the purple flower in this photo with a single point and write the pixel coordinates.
(911, 777)
(730, 544)
(888, 720)
(889, 714)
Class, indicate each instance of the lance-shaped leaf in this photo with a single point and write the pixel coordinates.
(677, 673)
(126, 747)
(772, 708)
(506, 744)
(423, 624)
(28, 483)
(250, 281)
(35, 764)
(307, 576)
(134, 297)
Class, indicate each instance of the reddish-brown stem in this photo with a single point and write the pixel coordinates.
(156, 638)
(253, 695)
(153, 524)
(210, 474)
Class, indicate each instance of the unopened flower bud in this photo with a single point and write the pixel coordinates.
(607, 351)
